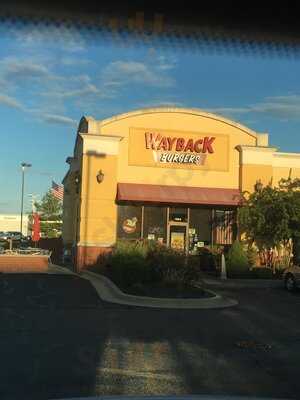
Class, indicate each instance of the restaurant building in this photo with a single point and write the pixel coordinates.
(173, 175)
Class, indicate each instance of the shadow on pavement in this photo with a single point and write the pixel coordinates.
(58, 340)
(51, 336)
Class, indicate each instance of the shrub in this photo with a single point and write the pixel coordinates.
(193, 270)
(237, 259)
(210, 258)
(130, 264)
(127, 264)
(165, 263)
(172, 266)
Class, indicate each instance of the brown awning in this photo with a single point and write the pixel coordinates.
(178, 194)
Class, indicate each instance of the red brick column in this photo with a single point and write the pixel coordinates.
(90, 255)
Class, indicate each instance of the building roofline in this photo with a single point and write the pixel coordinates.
(191, 111)
(241, 147)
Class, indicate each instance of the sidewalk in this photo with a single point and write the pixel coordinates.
(57, 269)
(108, 291)
(243, 283)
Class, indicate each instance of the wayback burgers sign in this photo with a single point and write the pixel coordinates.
(179, 150)
(167, 148)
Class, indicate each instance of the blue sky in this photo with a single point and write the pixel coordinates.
(50, 77)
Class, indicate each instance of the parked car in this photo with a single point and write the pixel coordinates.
(15, 236)
(291, 277)
(3, 236)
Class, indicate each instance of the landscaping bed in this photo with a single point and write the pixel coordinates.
(167, 290)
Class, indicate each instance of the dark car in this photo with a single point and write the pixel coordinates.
(3, 236)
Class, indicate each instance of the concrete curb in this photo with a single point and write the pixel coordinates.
(54, 269)
(109, 292)
(243, 283)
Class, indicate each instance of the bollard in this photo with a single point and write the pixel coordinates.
(223, 267)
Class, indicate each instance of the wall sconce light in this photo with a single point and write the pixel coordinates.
(100, 176)
(258, 186)
(77, 183)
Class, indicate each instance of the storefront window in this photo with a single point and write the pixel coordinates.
(178, 214)
(199, 228)
(224, 226)
(155, 223)
(129, 221)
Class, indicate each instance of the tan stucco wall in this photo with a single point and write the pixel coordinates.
(173, 176)
(251, 173)
(98, 209)
(285, 172)
(109, 141)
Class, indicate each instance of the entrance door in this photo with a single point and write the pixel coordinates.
(177, 236)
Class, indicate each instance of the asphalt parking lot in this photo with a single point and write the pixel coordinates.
(59, 340)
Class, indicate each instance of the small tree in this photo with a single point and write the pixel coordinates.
(50, 211)
(237, 260)
(270, 217)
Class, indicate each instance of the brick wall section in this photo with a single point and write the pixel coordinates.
(55, 245)
(88, 256)
(23, 263)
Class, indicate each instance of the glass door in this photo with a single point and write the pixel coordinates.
(177, 236)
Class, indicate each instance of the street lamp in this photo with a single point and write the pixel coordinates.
(23, 166)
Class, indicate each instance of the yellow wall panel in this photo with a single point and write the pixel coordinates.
(251, 173)
(213, 176)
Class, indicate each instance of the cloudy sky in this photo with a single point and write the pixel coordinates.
(50, 77)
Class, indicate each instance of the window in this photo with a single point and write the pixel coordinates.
(224, 226)
(155, 223)
(199, 227)
(129, 222)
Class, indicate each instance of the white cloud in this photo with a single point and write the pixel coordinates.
(24, 74)
(32, 38)
(122, 73)
(228, 110)
(88, 89)
(74, 61)
(281, 107)
(166, 63)
(58, 119)
(10, 102)
(24, 70)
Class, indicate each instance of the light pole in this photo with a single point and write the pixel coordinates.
(24, 166)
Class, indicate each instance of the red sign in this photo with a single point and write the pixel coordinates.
(36, 231)
(157, 142)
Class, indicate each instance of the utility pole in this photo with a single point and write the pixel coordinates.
(23, 166)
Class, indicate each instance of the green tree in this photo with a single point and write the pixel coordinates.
(237, 260)
(292, 188)
(270, 217)
(50, 211)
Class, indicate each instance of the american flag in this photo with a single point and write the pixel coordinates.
(57, 190)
